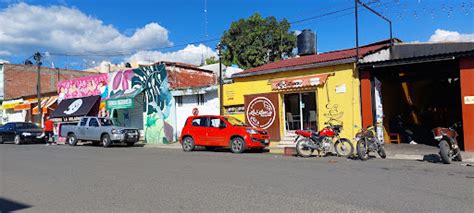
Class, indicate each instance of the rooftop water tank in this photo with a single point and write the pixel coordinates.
(306, 43)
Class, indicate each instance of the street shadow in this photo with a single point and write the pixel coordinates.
(7, 205)
(227, 150)
(432, 158)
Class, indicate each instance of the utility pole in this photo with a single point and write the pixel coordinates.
(37, 57)
(221, 88)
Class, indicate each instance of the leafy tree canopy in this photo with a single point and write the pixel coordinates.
(212, 60)
(256, 41)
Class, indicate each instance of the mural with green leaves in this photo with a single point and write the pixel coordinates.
(152, 81)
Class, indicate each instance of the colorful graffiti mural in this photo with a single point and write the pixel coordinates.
(158, 102)
(83, 87)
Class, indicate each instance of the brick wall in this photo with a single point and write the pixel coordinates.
(20, 80)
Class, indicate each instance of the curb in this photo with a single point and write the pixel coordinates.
(419, 157)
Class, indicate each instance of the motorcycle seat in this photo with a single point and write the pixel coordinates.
(303, 133)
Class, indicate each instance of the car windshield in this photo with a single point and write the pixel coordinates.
(105, 122)
(26, 126)
(235, 121)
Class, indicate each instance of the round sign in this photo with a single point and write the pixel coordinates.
(73, 107)
(261, 113)
(195, 111)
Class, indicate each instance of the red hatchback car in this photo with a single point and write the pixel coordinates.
(221, 131)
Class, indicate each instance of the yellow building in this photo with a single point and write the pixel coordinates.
(300, 93)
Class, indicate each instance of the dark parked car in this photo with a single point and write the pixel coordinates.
(21, 132)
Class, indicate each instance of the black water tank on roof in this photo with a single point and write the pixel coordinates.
(306, 42)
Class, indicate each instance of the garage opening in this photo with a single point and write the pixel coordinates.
(417, 98)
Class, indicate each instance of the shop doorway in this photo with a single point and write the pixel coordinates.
(300, 111)
(418, 98)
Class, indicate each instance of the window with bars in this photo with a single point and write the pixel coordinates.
(200, 99)
(179, 100)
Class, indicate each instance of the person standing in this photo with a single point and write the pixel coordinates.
(49, 132)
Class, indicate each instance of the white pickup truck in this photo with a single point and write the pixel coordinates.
(98, 130)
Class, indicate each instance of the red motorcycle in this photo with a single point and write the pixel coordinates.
(448, 144)
(323, 141)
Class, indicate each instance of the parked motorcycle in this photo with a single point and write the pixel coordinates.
(448, 144)
(323, 141)
(367, 142)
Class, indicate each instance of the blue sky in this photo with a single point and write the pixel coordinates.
(147, 24)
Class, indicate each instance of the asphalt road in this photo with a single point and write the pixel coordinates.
(36, 178)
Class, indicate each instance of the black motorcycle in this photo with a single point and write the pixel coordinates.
(367, 142)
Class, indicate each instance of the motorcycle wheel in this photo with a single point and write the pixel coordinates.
(344, 147)
(362, 150)
(301, 148)
(381, 152)
(444, 150)
(458, 157)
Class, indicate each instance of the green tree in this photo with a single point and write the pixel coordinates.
(256, 41)
(212, 60)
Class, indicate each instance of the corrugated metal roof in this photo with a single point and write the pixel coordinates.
(404, 51)
(307, 61)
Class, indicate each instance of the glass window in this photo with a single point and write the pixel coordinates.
(202, 122)
(105, 122)
(83, 122)
(26, 126)
(217, 122)
(93, 122)
(9, 126)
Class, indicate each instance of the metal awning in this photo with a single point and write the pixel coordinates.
(45, 104)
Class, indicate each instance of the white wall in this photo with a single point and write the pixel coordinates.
(210, 107)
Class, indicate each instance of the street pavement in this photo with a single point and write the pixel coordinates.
(36, 178)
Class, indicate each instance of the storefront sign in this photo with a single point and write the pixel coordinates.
(120, 103)
(303, 81)
(261, 111)
(468, 99)
(10, 104)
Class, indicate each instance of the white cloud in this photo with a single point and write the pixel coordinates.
(441, 35)
(24, 28)
(190, 54)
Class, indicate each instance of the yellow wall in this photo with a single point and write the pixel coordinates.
(348, 102)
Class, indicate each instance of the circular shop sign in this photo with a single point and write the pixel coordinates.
(261, 113)
(195, 111)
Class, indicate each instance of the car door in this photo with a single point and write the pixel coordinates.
(93, 129)
(216, 132)
(81, 129)
(8, 132)
(198, 131)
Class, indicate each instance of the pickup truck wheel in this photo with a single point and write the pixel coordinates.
(72, 139)
(17, 140)
(106, 142)
(1, 140)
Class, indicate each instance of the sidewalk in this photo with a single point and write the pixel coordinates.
(419, 152)
(394, 151)
(162, 146)
(404, 152)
